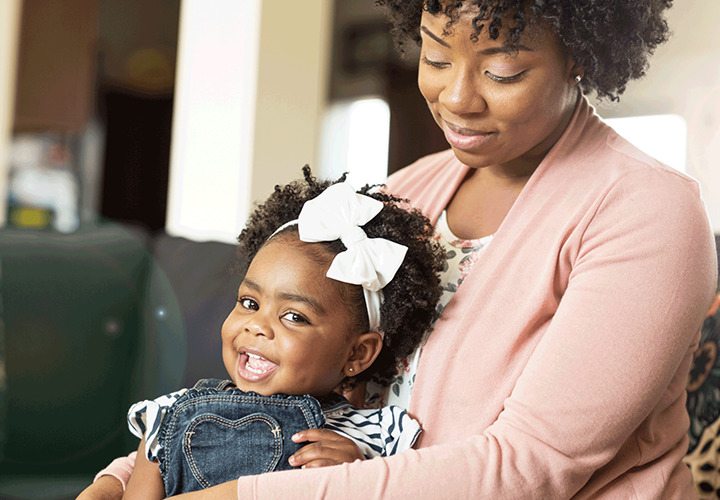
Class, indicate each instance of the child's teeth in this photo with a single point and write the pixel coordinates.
(257, 364)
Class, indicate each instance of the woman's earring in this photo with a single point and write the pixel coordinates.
(578, 78)
(350, 369)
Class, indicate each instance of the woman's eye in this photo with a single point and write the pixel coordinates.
(434, 64)
(504, 79)
(248, 304)
(294, 317)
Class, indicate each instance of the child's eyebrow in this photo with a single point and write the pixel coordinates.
(251, 284)
(289, 296)
(312, 303)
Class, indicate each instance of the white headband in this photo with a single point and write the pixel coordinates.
(338, 213)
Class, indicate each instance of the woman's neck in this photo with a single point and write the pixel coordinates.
(482, 202)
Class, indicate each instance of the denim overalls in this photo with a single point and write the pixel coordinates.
(215, 433)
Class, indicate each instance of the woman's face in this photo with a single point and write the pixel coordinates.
(496, 107)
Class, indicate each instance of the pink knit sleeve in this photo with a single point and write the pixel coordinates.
(120, 468)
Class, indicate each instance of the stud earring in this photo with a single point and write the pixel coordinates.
(350, 370)
(578, 78)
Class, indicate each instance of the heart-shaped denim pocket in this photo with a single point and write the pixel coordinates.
(257, 447)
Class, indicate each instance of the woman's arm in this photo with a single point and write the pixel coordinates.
(104, 488)
(225, 491)
(145, 482)
(110, 482)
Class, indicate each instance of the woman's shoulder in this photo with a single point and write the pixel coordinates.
(624, 168)
(593, 157)
(638, 163)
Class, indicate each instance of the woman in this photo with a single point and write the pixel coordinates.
(558, 368)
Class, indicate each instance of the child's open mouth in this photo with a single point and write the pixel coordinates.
(254, 368)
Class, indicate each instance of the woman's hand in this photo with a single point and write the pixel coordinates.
(105, 488)
(326, 448)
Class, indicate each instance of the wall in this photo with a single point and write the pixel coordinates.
(684, 78)
(291, 90)
(250, 93)
(55, 84)
(9, 37)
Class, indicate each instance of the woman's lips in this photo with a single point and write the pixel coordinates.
(464, 139)
(253, 367)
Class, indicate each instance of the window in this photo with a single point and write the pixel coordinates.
(663, 137)
(355, 139)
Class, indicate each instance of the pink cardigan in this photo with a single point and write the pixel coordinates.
(558, 370)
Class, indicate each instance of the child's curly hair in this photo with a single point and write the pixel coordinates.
(611, 39)
(410, 299)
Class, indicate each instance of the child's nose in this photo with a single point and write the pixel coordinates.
(259, 327)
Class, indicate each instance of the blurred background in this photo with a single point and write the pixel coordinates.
(178, 115)
(135, 137)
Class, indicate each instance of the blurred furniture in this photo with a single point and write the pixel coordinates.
(703, 404)
(91, 322)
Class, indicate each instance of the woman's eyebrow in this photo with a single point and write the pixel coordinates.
(501, 49)
(504, 49)
(434, 36)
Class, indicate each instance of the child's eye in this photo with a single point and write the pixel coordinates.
(248, 304)
(504, 79)
(296, 318)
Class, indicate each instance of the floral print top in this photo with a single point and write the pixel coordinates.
(461, 255)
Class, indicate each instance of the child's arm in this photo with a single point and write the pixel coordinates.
(145, 482)
(326, 448)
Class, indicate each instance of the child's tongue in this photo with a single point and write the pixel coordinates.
(259, 365)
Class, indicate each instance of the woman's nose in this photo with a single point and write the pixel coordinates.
(463, 94)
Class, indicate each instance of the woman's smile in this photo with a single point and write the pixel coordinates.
(465, 139)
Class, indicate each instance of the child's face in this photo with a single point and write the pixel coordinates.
(289, 331)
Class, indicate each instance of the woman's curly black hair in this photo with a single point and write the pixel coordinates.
(410, 299)
(611, 39)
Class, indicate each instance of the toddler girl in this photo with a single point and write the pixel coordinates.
(340, 286)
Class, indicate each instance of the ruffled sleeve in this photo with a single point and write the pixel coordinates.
(145, 418)
(377, 432)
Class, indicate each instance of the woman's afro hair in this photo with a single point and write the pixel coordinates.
(410, 299)
(611, 39)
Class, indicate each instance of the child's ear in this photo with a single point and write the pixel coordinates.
(366, 348)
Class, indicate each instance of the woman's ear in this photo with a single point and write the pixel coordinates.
(366, 348)
(575, 72)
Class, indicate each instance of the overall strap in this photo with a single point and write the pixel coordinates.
(212, 383)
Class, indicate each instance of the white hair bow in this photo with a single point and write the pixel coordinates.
(338, 213)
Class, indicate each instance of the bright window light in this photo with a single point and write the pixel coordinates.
(355, 140)
(664, 137)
